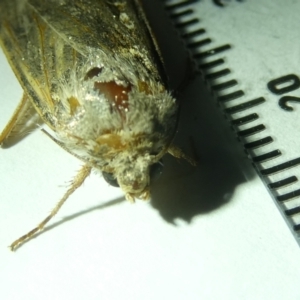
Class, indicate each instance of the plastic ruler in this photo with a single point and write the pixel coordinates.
(248, 52)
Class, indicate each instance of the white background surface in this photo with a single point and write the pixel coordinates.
(239, 248)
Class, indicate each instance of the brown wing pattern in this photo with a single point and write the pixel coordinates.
(114, 26)
(43, 39)
(35, 53)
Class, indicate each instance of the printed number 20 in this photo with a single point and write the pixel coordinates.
(288, 84)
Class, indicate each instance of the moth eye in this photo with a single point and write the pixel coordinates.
(94, 72)
(156, 170)
(110, 179)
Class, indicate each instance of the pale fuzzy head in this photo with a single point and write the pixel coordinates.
(134, 177)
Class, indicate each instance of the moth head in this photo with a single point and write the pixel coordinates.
(136, 178)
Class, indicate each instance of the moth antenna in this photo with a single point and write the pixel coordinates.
(78, 180)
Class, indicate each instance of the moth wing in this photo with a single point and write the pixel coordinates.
(114, 27)
(44, 40)
(35, 52)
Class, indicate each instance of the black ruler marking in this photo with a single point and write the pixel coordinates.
(282, 183)
(245, 105)
(266, 156)
(186, 23)
(245, 120)
(289, 196)
(224, 85)
(181, 13)
(281, 167)
(293, 211)
(218, 74)
(259, 143)
(193, 33)
(213, 51)
(231, 96)
(199, 43)
(251, 131)
(297, 227)
(212, 64)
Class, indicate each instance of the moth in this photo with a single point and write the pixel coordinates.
(92, 71)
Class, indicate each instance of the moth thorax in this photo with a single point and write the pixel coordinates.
(115, 93)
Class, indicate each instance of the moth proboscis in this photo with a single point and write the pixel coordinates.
(95, 77)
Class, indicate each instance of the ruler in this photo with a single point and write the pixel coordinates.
(248, 52)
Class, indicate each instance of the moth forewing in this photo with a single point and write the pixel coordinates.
(91, 71)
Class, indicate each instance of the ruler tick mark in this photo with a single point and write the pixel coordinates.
(224, 85)
(218, 74)
(186, 23)
(188, 35)
(245, 105)
(297, 227)
(181, 13)
(251, 131)
(282, 183)
(289, 196)
(292, 211)
(281, 167)
(213, 51)
(266, 156)
(212, 64)
(231, 96)
(199, 43)
(245, 120)
(259, 143)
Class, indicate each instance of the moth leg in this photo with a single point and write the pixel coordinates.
(78, 180)
(22, 107)
(178, 153)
